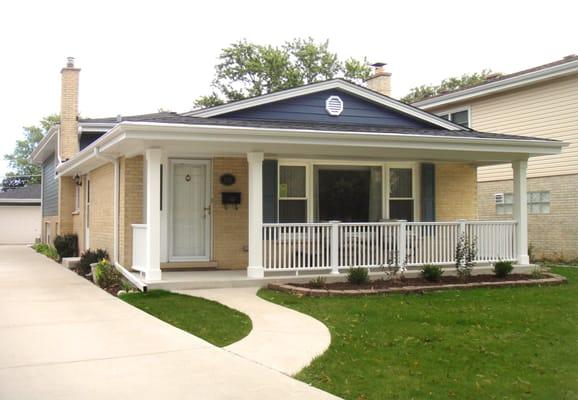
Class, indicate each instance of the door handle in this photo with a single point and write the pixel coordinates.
(208, 210)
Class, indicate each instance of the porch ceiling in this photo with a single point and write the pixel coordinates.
(130, 139)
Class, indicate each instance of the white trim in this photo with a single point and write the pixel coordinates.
(415, 183)
(500, 85)
(184, 132)
(46, 146)
(322, 86)
(22, 201)
(209, 217)
(142, 286)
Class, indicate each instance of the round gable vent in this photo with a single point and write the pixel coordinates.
(334, 105)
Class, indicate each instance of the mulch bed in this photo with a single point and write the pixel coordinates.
(416, 285)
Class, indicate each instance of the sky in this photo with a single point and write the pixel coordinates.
(139, 56)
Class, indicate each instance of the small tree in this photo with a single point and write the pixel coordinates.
(466, 251)
(23, 171)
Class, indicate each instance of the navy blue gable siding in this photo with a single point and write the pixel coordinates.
(311, 108)
(87, 138)
(49, 188)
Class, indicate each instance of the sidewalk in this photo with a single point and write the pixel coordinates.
(63, 338)
(282, 339)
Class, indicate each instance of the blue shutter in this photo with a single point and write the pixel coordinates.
(270, 191)
(428, 192)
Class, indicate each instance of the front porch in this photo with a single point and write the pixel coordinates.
(283, 250)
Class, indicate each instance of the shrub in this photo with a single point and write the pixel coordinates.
(466, 251)
(46, 250)
(432, 273)
(67, 245)
(90, 257)
(357, 275)
(318, 283)
(106, 275)
(503, 268)
(536, 273)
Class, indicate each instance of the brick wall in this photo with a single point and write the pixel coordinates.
(230, 225)
(130, 205)
(68, 132)
(551, 236)
(102, 208)
(455, 192)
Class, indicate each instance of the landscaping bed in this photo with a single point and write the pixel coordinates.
(416, 285)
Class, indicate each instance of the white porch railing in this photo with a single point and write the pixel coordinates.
(311, 246)
(139, 244)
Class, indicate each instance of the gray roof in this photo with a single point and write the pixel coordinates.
(31, 191)
(174, 118)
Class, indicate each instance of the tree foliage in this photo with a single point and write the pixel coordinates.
(447, 85)
(248, 69)
(22, 170)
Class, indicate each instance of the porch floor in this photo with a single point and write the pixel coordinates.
(181, 280)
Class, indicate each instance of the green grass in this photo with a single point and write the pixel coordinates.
(209, 320)
(511, 343)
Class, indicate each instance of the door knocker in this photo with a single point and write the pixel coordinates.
(188, 178)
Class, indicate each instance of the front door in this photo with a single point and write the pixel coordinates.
(190, 216)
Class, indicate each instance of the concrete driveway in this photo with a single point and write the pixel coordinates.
(63, 338)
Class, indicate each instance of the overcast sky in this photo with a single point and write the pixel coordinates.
(139, 56)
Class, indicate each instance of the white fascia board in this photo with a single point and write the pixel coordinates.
(181, 132)
(46, 146)
(87, 127)
(351, 88)
(23, 201)
(500, 85)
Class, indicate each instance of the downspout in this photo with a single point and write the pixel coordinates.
(116, 163)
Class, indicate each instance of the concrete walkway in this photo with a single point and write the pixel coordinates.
(63, 338)
(282, 339)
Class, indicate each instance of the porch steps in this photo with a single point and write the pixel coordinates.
(190, 266)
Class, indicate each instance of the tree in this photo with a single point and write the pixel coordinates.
(247, 69)
(447, 85)
(23, 171)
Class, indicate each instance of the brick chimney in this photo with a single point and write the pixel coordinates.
(380, 81)
(68, 143)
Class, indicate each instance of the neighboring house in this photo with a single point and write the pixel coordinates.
(540, 102)
(258, 184)
(20, 215)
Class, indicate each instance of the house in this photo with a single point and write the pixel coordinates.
(541, 102)
(20, 215)
(319, 177)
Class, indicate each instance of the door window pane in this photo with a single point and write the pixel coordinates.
(400, 183)
(292, 181)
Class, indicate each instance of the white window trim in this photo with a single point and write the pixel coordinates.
(456, 110)
(309, 168)
(415, 188)
(308, 188)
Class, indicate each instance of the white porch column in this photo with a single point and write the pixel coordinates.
(521, 210)
(255, 268)
(153, 214)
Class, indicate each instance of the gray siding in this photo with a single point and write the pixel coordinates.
(49, 188)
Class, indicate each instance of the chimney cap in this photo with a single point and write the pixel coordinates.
(378, 64)
(69, 62)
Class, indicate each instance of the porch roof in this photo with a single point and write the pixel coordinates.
(182, 135)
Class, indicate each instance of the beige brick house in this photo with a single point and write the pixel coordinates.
(542, 102)
(320, 177)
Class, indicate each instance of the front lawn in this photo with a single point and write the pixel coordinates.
(512, 343)
(209, 320)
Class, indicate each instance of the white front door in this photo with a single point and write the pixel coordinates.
(190, 213)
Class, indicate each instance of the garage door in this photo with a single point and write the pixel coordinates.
(19, 224)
